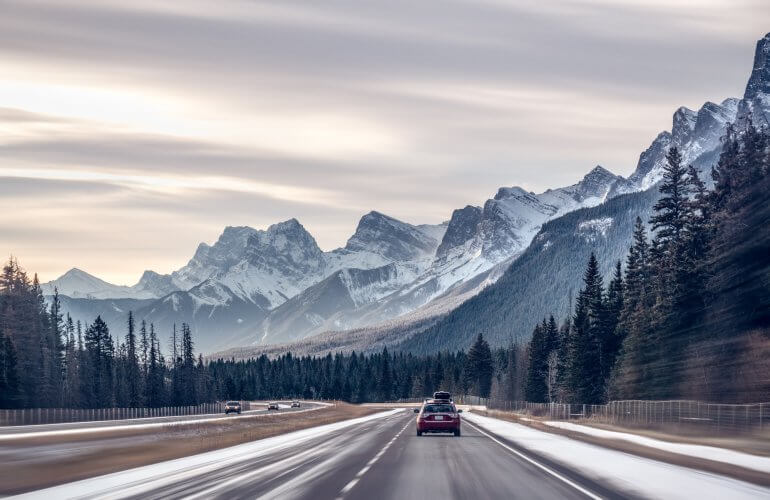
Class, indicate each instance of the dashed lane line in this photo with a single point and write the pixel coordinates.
(369, 464)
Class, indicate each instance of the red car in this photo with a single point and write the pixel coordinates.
(438, 416)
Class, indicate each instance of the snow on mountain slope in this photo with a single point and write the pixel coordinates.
(478, 239)
(340, 296)
(697, 136)
(209, 260)
(474, 241)
(156, 284)
(394, 240)
(79, 284)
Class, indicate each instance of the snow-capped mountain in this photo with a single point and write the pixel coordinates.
(421, 270)
(209, 260)
(79, 284)
(697, 136)
(276, 284)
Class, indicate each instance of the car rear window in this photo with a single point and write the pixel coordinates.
(439, 409)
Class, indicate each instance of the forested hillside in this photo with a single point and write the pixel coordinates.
(689, 317)
(541, 281)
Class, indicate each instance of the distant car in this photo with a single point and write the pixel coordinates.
(233, 407)
(272, 406)
(438, 416)
(295, 404)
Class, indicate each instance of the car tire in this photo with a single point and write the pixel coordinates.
(419, 433)
(457, 433)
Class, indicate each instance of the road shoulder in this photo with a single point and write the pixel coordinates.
(692, 462)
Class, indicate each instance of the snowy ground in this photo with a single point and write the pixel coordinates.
(754, 462)
(633, 474)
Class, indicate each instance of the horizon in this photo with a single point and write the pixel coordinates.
(141, 192)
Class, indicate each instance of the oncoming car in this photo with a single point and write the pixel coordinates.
(295, 404)
(438, 416)
(233, 407)
(272, 406)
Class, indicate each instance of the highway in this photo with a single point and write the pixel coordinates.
(380, 456)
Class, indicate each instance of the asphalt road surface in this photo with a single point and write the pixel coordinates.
(373, 459)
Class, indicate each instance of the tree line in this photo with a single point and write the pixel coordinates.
(49, 360)
(689, 316)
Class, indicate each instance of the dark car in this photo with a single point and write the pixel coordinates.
(272, 406)
(438, 416)
(233, 407)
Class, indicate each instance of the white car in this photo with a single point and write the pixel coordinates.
(272, 406)
(295, 404)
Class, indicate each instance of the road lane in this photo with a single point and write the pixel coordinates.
(443, 466)
(10, 433)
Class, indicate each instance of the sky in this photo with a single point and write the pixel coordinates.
(132, 131)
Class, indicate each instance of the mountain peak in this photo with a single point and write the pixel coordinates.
(759, 82)
(393, 239)
(598, 177)
(286, 226)
(507, 192)
(75, 272)
(598, 170)
(374, 215)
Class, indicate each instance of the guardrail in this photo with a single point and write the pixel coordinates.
(34, 416)
(716, 417)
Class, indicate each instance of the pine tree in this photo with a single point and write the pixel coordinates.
(154, 387)
(536, 390)
(480, 366)
(9, 376)
(188, 395)
(144, 347)
(612, 336)
(672, 210)
(98, 381)
(133, 377)
(585, 376)
(385, 380)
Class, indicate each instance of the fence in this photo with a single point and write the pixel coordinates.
(33, 416)
(720, 418)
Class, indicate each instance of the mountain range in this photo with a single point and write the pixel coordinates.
(500, 260)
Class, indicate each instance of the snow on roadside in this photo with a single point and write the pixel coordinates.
(637, 475)
(745, 460)
(143, 479)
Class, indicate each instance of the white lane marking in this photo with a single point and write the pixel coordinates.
(539, 465)
(344, 491)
